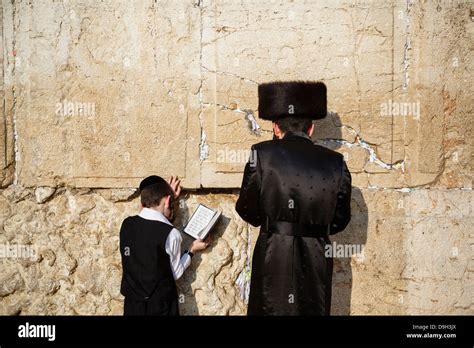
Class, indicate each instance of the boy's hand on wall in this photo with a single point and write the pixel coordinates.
(199, 245)
(175, 182)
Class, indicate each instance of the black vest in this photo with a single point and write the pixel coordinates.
(147, 275)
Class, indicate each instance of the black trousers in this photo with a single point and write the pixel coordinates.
(152, 306)
(162, 301)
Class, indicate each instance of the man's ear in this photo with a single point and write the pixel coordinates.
(311, 129)
(276, 130)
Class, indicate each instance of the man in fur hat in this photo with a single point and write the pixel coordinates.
(299, 193)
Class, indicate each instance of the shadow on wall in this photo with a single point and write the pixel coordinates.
(355, 236)
(327, 133)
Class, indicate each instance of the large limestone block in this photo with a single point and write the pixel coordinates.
(102, 94)
(416, 257)
(438, 248)
(234, 61)
(7, 58)
(75, 264)
(385, 66)
(107, 92)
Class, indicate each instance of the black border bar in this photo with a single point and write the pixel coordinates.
(133, 331)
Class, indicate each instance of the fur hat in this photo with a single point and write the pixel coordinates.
(302, 99)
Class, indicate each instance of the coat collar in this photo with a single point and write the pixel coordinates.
(297, 135)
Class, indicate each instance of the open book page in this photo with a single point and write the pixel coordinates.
(201, 222)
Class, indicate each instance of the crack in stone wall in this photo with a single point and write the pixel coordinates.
(203, 146)
(407, 48)
(226, 73)
(359, 142)
(253, 126)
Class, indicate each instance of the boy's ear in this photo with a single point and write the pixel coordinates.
(167, 200)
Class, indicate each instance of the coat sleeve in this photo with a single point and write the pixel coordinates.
(342, 214)
(248, 203)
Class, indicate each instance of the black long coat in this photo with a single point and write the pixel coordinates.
(299, 193)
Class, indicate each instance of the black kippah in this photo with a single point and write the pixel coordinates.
(148, 181)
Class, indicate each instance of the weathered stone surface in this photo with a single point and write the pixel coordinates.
(416, 258)
(3, 131)
(10, 283)
(6, 124)
(104, 91)
(97, 95)
(42, 194)
(209, 287)
(386, 73)
(76, 268)
(415, 250)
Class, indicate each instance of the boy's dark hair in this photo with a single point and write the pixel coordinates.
(151, 195)
(293, 124)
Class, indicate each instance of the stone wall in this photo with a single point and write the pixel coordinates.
(97, 95)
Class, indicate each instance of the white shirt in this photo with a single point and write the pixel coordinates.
(173, 243)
